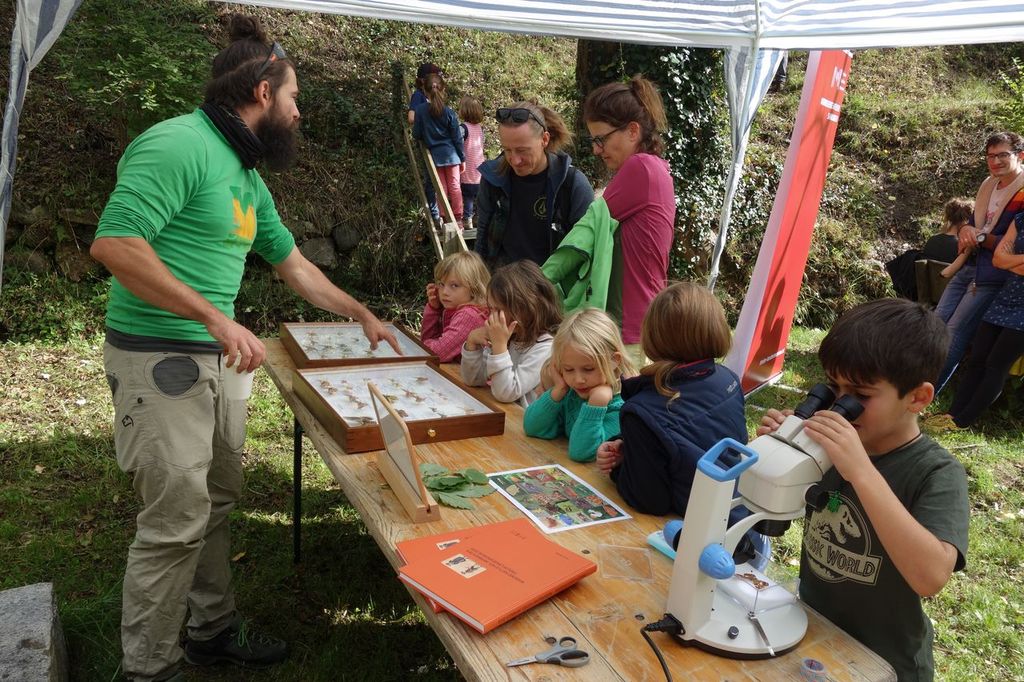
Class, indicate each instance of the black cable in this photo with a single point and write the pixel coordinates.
(667, 624)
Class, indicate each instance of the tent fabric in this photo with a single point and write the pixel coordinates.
(37, 25)
(748, 74)
(772, 24)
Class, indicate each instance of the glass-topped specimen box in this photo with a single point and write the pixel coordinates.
(434, 407)
(342, 344)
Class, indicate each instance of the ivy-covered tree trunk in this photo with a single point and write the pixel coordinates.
(690, 80)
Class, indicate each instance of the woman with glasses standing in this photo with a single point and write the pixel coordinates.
(625, 121)
(531, 195)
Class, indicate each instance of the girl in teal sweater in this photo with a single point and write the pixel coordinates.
(583, 376)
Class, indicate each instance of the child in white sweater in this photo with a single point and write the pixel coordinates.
(509, 351)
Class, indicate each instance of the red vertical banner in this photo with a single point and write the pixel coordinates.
(759, 343)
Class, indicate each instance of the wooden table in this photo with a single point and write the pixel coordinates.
(604, 611)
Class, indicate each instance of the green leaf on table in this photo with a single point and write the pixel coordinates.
(452, 500)
(446, 482)
(473, 490)
(431, 469)
(474, 476)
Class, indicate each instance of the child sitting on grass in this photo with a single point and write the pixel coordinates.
(456, 304)
(583, 403)
(510, 350)
(958, 214)
(899, 528)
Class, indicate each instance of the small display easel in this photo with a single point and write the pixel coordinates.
(399, 463)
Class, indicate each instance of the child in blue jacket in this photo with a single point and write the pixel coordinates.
(678, 407)
(437, 125)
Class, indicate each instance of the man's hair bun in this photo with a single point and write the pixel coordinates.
(245, 27)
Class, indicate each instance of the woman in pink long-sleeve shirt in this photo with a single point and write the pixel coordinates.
(456, 304)
(625, 121)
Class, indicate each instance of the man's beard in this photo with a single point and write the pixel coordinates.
(280, 142)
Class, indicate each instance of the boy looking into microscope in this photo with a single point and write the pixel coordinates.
(895, 526)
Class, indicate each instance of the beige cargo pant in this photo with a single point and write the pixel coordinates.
(182, 443)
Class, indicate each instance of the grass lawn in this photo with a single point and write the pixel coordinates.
(66, 516)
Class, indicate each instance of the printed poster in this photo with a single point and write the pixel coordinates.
(555, 499)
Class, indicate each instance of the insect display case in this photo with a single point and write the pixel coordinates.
(434, 407)
(343, 344)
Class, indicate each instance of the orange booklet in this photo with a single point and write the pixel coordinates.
(494, 574)
(431, 546)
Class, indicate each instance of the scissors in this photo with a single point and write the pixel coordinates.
(563, 653)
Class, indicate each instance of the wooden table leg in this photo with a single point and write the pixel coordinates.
(297, 492)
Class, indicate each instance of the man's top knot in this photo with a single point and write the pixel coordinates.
(245, 27)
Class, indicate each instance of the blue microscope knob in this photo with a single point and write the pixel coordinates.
(673, 529)
(715, 562)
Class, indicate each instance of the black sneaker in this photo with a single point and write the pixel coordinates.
(238, 645)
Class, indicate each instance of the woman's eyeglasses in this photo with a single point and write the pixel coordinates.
(599, 140)
(517, 115)
(276, 52)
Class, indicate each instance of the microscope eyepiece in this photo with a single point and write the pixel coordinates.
(818, 398)
(848, 406)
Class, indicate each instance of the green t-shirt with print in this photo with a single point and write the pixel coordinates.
(846, 574)
(182, 188)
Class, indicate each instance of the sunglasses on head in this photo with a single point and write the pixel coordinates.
(517, 115)
(276, 52)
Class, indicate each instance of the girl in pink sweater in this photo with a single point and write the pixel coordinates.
(456, 304)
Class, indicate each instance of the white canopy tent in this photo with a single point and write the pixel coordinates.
(753, 31)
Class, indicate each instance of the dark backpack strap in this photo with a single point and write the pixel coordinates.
(465, 132)
(564, 200)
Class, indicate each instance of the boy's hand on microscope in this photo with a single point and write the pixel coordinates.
(840, 441)
(600, 396)
(772, 420)
(609, 454)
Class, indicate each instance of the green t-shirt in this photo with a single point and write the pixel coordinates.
(846, 574)
(182, 188)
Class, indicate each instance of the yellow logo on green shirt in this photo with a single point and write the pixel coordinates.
(244, 220)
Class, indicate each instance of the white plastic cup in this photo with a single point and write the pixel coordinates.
(237, 385)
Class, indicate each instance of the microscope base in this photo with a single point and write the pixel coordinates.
(785, 626)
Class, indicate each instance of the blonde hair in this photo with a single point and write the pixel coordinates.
(684, 323)
(470, 269)
(594, 334)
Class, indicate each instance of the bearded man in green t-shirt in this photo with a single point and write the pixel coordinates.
(188, 206)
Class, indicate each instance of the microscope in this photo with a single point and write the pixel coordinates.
(776, 476)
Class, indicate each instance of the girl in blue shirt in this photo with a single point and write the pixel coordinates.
(587, 363)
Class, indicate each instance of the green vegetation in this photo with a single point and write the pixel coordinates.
(909, 139)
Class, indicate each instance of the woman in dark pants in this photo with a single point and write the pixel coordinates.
(999, 340)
